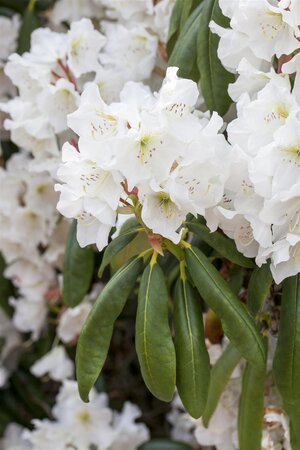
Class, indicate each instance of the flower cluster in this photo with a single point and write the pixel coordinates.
(81, 426)
(260, 208)
(52, 75)
(155, 16)
(152, 150)
(32, 240)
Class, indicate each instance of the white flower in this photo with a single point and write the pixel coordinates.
(162, 16)
(258, 30)
(29, 315)
(57, 102)
(9, 30)
(160, 212)
(84, 45)
(130, 49)
(56, 364)
(127, 10)
(13, 440)
(71, 10)
(71, 322)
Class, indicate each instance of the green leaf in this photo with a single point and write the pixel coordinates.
(214, 77)
(153, 340)
(184, 54)
(180, 14)
(259, 288)
(17, 5)
(223, 245)
(286, 364)
(238, 324)
(95, 337)
(30, 21)
(251, 409)
(6, 289)
(165, 444)
(77, 270)
(21, 5)
(220, 375)
(115, 246)
(192, 360)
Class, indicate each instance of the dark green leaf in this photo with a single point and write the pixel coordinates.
(17, 5)
(222, 244)
(259, 288)
(192, 360)
(214, 78)
(115, 246)
(95, 337)
(180, 14)
(30, 21)
(236, 279)
(184, 54)
(7, 12)
(154, 344)
(6, 289)
(165, 444)
(77, 270)
(238, 324)
(286, 365)
(251, 409)
(220, 375)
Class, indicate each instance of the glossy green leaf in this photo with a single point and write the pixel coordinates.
(30, 21)
(77, 270)
(220, 375)
(115, 246)
(286, 365)
(165, 444)
(214, 78)
(154, 344)
(238, 324)
(222, 244)
(95, 337)
(180, 14)
(184, 54)
(259, 288)
(251, 409)
(192, 360)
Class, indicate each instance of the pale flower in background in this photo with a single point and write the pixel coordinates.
(56, 364)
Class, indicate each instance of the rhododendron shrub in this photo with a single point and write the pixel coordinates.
(150, 180)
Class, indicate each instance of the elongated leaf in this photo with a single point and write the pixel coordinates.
(251, 410)
(165, 444)
(174, 27)
(115, 246)
(286, 365)
(30, 21)
(237, 323)
(220, 375)
(192, 360)
(180, 14)
(223, 245)
(95, 337)
(77, 270)
(214, 78)
(184, 54)
(21, 5)
(259, 287)
(153, 340)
